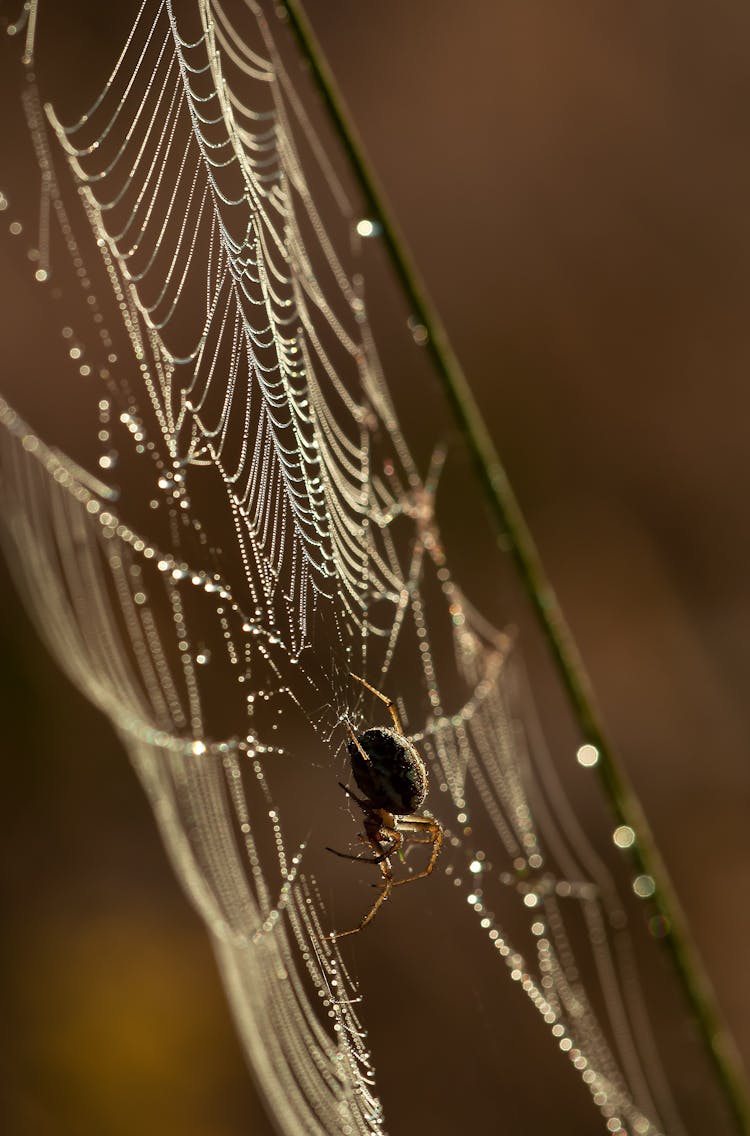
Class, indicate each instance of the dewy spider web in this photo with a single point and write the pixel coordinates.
(289, 538)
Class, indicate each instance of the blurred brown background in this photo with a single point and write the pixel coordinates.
(573, 180)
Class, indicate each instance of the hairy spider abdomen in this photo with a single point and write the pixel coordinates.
(394, 778)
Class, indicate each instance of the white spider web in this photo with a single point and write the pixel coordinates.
(257, 528)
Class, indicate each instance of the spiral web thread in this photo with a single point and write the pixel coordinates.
(250, 381)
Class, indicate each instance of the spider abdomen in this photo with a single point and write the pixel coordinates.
(394, 777)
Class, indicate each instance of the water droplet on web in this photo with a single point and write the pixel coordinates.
(624, 836)
(367, 227)
(203, 657)
(658, 926)
(419, 332)
(587, 755)
(644, 886)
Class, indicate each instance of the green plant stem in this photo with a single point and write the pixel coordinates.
(515, 531)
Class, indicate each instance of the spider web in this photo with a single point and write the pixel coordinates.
(257, 528)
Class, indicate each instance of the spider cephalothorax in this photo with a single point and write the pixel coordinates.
(390, 772)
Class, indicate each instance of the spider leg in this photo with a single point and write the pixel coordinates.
(383, 698)
(368, 859)
(385, 868)
(415, 823)
(364, 805)
(361, 859)
(396, 841)
(411, 828)
(355, 739)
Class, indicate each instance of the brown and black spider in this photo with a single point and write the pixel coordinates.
(393, 778)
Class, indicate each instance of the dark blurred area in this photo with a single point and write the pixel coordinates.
(573, 182)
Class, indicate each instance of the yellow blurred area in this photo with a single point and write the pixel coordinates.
(121, 1031)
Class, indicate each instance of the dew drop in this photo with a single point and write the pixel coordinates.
(419, 332)
(367, 227)
(587, 755)
(658, 926)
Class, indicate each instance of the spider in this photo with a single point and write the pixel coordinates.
(393, 778)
